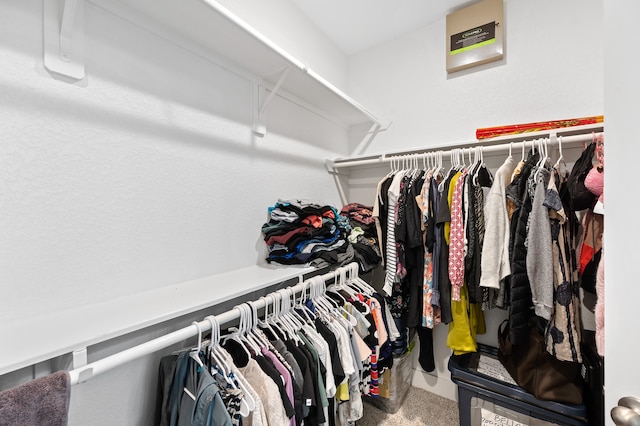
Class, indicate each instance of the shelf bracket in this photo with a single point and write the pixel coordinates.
(339, 180)
(370, 136)
(275, 89)
(259, 128)
(63, 26)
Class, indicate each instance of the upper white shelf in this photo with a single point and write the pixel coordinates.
(214, 28)
(70, 330)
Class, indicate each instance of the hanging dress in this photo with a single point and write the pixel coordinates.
(563, 331)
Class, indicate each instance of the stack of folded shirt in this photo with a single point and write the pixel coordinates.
(305, 233)
(363, 235)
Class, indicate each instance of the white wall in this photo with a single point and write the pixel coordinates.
(143, 175)
(146, 174)
(553, 69)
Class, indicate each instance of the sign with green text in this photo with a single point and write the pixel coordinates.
(475, 35)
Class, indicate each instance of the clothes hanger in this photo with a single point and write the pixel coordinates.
(318, 301)
(250, 328)
(440, 166)
(453, 165)
(302, 307)
(355, 278)
(560, 155)
(283, 320)
(244, 336)
(195, 352)
(543, 148)
(220, 363)
(247, 403)
(293, 314)
(235, 334)
(478, 165)
(252, 315)
(268, 323)
(339, 310)
(524, 143)
(260, 337)
(273, 319)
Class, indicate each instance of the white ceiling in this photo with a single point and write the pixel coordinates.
(355, 25)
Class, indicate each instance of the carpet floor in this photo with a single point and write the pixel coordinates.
(419, 408)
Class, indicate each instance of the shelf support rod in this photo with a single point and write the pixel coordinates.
(275, 89)
(338, 178)
(370, 136)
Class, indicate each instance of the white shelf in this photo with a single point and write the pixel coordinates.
(216, 30)
(38, 339)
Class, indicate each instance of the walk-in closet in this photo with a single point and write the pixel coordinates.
(290, 212)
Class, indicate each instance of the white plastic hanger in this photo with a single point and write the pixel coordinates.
(302, 307)
(268, 318)
(236, 334)
(282, 320)
(295, 319)
(246, 335)
(543, 157)
(247, 403)
(195, 352)
(214, 356)
(259, 336)
(354, 278)
(560, 155)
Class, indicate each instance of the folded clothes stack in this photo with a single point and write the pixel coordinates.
(363, 235)
(305, 233)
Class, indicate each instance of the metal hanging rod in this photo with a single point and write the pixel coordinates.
(570, 136)
(86, 372)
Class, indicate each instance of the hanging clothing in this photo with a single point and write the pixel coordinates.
(563, 331)
(196, 396)
(268, 392)
(520, 309)
(443, 222)
(481, 181)
(539, 257)
(495, 264)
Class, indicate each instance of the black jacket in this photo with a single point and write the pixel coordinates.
(521, 303)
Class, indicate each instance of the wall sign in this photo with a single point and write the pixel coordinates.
(475, 35)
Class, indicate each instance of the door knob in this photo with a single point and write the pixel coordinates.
(627, 413)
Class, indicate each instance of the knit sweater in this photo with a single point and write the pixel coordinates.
(495, 251)
(539, 256)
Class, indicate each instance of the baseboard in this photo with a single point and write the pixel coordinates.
(442, 386)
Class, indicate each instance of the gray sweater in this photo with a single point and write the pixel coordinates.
(495, 264)
(539, 251)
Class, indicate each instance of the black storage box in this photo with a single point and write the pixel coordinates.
(486, 390)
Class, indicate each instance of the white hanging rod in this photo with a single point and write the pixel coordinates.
(499, 144)
(84, 373)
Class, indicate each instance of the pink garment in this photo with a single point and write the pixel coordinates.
(600, 307)
(594, 182)
(456, 240)
(313, 220)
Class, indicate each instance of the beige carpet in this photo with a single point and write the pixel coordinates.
(419, 408)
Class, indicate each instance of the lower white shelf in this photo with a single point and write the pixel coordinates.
(32, 340)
